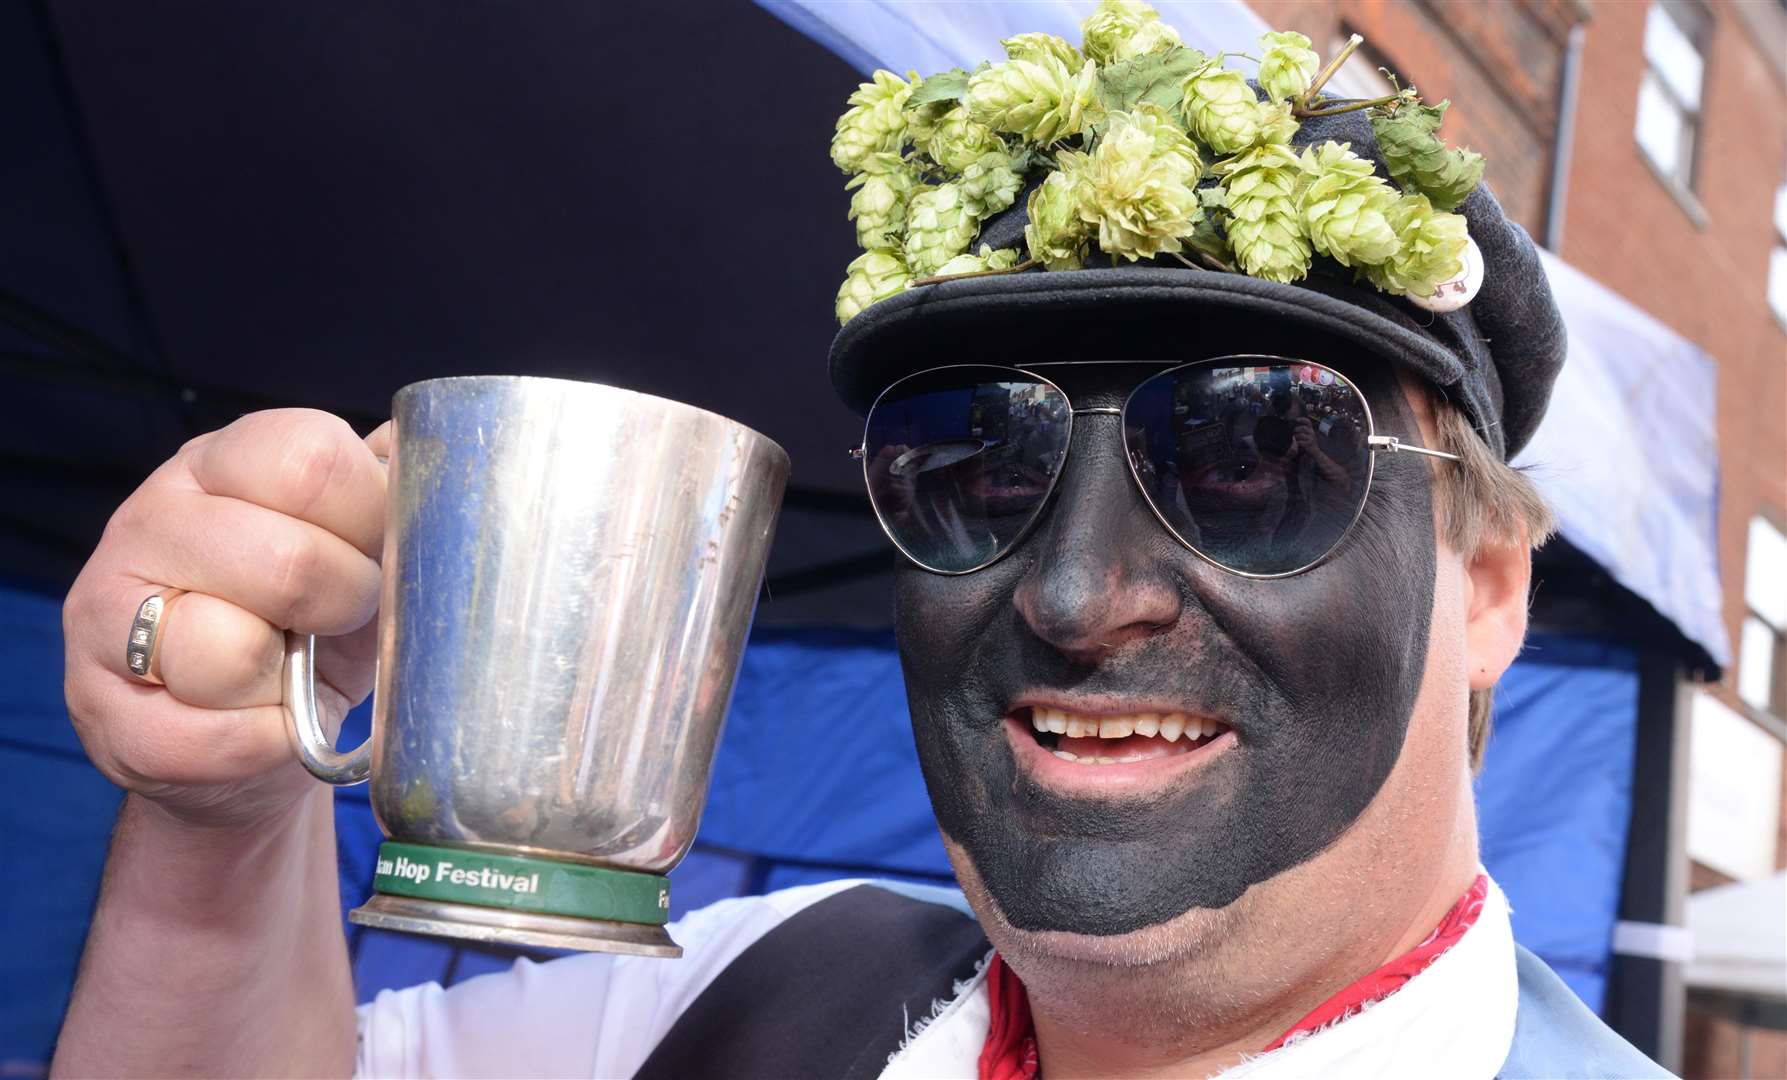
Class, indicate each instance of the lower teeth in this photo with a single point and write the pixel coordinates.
(1067, 755)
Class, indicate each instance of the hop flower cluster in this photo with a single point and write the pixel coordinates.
(1138, 188)
(1132, 147)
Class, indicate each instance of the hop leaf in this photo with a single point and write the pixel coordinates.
(1155, 78)
(1209, 236)
(1124, 29)
(944, 88)
(1034, 46)
(1430, 248)
(1417, 157)
(1056, 236)
(1287, 64)
(871, 276)
(1222, 109)
(879, 205)
(990, 184)
(959, 140)
(1040, 100)
(1344, 202)
(939, 227)
(1141, 200)
(875, 122)
(1264, 227)
(988, 259)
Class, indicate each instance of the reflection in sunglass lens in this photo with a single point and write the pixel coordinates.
(961, 460)
(1261, 469)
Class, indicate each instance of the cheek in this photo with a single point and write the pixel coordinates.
(941, 623)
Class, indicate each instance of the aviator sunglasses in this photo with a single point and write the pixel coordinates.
(1260, 465)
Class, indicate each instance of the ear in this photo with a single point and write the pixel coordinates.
(1495, 585)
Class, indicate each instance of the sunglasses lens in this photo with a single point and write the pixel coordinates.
(1261, 469)
(961, 460)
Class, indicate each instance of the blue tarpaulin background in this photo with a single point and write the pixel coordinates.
(816, 778)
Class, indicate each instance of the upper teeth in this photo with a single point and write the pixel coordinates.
(1168, 726)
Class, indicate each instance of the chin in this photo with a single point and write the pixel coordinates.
(1195, 932)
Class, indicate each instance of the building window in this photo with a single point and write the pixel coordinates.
(1669, 96)
(1777, 259)
(1762, 645)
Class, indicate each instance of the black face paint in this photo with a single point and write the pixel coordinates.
(1317, 674)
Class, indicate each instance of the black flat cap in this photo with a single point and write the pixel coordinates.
(1496, 358)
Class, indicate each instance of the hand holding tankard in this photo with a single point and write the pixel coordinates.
(569, 576)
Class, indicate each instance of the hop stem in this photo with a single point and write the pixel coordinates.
(1025, 265)
(1210, 262)
(1322, 77)
(1348, 105)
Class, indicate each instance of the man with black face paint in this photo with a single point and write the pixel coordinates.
(1197, 705)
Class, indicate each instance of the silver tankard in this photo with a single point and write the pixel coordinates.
(570, 572)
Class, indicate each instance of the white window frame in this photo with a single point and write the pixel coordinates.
(1777, 260)
(1762, 637)
(1676, 89)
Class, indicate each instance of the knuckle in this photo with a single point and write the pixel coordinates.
(311, 458)
(292, 564)
(130, 517)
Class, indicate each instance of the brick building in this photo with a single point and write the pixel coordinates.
(1646, 144)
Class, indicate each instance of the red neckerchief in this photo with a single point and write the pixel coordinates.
(1010, 1049)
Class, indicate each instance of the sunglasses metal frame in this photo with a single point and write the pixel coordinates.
(1374, 443)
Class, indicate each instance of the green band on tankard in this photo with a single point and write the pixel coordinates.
(544, 886)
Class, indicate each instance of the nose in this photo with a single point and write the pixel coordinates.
(1099, 576)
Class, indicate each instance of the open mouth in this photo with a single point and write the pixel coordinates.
(1118, 740)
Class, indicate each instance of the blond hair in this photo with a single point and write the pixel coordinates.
(1483, 503)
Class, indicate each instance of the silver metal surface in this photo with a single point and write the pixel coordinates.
(497, 926)
(1393, 445)
(312, 744)
(570, 572)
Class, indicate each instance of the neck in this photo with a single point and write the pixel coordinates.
(1206, 1009)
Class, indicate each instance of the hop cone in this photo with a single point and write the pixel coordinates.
(1040, 100)
(871, 276)
(1141, 201)
(1222, 109)
(1418, 158)
(879, 205)
(1264, 227)
(1277, 124)
(1123, 29)
(959, 140)
(990, 184)
(1344, 202)
(874, 123)
(1170, 140)
(1430, 248)
(1287, 64)
(1055, 234)
(1034, 46)
(938, 228)
(988, 259)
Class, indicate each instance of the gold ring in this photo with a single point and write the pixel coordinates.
(144, 647)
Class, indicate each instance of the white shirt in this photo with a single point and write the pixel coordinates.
(598, 1015)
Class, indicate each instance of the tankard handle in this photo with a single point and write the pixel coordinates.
(306, 728)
